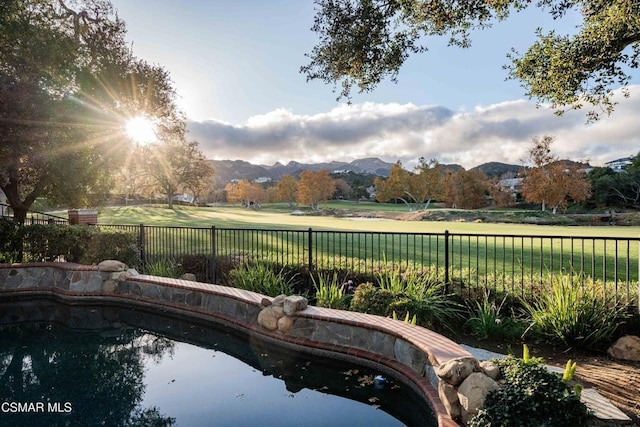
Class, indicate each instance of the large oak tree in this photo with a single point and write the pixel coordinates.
(68, 82)
(362, 42)
(315, 187)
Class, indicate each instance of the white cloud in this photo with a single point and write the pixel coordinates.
(499, 132)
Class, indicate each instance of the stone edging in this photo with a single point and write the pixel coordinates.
(418, 354)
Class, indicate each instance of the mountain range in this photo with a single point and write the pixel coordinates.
(229, 170)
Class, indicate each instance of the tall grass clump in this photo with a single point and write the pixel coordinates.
(576, 314)
(163, 268)
(489, 320)
(330, 292)
(258, 277)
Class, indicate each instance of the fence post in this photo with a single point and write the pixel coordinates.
(446, 261)
(214, 252)
(310, 249)
(141, 245)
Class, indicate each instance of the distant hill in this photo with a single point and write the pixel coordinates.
(497, 169)
(227, 170)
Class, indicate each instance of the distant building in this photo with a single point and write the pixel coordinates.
(619, 165)
(262, 180)
(183, 198)
(513, 185)
(341, 171)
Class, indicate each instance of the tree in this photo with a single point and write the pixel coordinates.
(343, 189)
(174, 165)
(428, 181)
(249, 194)
(395, 187)
(419, 187)
(67, 83)
(466, 189)
(612, 188)
(551, 182)
(315, 187)
(287, 189)
(361, 42)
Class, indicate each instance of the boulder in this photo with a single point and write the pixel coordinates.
(490, 369)
(285, 324)
(109, 287)
(449, 397)
(294, 303)
(626, 348)
(456, 370)
(269, 316)
(472, 393)
(111, 265)
(279, 300)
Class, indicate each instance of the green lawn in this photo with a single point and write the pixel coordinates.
(278, 217)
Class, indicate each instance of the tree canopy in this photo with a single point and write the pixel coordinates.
(362, 42)
(315, 187)
(552, 182)
(68, 81)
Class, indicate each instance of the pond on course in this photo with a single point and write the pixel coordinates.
(68, 365)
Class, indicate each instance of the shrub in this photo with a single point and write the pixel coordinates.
(258, 277)
(198, 264)
(531, 396)
(433, 308)
(488, 321)
(575, 314)
(11, 241)
(112, 244)
(368, 298)
(51, 242)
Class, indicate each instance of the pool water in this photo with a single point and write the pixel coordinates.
(83, 366)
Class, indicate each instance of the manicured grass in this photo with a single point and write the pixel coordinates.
(277, 217)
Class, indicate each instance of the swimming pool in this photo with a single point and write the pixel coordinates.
(101, 364)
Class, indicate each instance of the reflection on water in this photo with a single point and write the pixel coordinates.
(64, 365)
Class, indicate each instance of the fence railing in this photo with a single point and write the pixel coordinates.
(466, 263)
(34, 217)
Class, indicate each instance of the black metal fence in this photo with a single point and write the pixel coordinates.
(34, 217)
(466, 263)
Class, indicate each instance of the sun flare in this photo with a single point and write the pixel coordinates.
(141, 130)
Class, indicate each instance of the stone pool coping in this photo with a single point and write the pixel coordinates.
(408, 350)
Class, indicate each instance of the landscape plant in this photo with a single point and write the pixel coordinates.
(163, 268)
(578, 315)
(532, 396)
(11, 242)
(330, 292)
(112, 244)
(260, 277)
(428, 301)
(489, 321)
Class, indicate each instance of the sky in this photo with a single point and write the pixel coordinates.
(235, 67)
